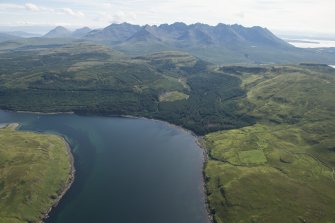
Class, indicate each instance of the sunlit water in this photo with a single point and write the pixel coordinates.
(312, 43)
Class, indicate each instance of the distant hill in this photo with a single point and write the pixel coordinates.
(58, 32)
(5, 37)
(62, 32)
(114, 33)
(23, 34)
(78, 33)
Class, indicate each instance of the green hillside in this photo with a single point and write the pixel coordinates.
(34, 171)
(282, 168)
(88, 78)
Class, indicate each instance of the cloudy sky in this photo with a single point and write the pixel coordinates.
(314, 16)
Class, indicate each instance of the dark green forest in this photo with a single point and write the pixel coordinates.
(91, 79)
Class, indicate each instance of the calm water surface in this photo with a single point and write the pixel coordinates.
(127, 170)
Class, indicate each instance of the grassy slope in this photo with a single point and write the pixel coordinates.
(34, 169)
(281, 169)
(172, 96)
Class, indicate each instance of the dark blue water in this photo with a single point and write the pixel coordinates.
(127, 170)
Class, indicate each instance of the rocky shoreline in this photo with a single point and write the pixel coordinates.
(68, 184)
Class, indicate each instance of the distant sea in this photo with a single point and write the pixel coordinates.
(311, 43)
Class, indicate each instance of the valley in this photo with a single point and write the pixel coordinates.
(263, 108)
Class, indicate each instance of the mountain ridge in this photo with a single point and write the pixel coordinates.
(198, 32)
(62, 32)
(219, 44)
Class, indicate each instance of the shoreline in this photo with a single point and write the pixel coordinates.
(198, 141)
(68, 184)
(42, 113)
(201, 143)
(12, 126)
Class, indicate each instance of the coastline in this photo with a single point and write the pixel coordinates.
(12, 126)
(201, 143)
(42, 113)
(68, 184)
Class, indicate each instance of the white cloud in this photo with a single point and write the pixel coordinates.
(73, 12)
(117, 17)
(296, 15)
(41, 9)
(9, 6)
(32, 7)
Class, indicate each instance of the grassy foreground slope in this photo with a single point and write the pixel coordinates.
(282, 168)
(34, 171)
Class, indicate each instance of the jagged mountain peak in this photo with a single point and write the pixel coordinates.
(197, 33)
(144, 34)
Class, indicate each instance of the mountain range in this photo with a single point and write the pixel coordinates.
(220, 44)
(187, 34)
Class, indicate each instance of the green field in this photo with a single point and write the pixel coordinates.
(34, 171)
(173, 96)
(281, 169)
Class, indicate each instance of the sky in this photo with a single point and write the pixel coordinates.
(285, 16)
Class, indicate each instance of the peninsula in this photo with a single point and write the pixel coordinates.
(35, 171)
